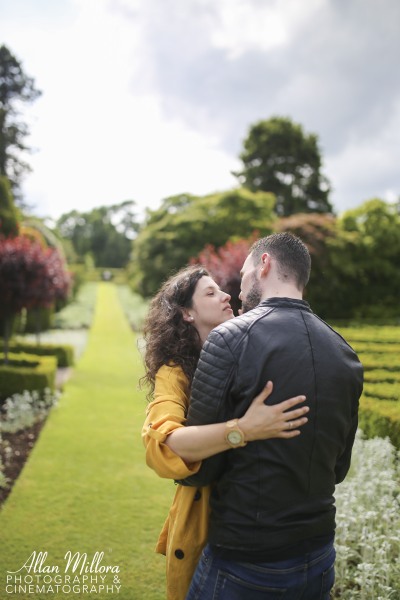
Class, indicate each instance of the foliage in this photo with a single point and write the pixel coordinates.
(27, 408)
(64, 353)
(79, 313)
(105, 233)
(15, 379)
(224, 264)
(9, 214)
(278, 157)
(3, 478)
(316, 231)
(354, 261)
(183, 225)
(15, 88)
(379, 350)
(74, 339)
(367, 255)
(368, 524)
(133, 305)
(31, 277)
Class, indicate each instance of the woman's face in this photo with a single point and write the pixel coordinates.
(210, 306)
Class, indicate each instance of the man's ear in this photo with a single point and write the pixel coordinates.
(265, 263)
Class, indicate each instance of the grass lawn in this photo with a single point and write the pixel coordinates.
(85, 487)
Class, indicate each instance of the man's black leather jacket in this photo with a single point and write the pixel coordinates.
(276, 493)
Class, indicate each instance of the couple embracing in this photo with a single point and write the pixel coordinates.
(254, 513)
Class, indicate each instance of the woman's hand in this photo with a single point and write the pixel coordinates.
(263, 421)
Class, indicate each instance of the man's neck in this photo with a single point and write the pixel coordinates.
(282, 292)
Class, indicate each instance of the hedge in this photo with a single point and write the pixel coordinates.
(378, 348)
(380, 418)
(64, 353)
(16, 379)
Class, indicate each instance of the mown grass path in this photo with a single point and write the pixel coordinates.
(86, 487)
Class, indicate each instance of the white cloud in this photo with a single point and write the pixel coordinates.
(99, 140)
(246, 26)
(147, 98)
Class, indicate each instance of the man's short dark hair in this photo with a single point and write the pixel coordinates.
(291, 254)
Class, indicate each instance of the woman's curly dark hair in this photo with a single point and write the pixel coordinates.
(169, 339)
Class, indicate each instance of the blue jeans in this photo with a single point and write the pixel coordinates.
(309, 577)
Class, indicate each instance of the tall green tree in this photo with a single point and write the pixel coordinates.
(105, 232)
(185, 224)
(15, 88)
(369, 258)
(9, 214)
(355, 260)
(279, 157)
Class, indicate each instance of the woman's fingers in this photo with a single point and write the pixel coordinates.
(291, 425)
(295, 414)
(265, 392)
(286, 404)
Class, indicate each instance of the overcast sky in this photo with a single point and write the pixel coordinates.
(143, 99)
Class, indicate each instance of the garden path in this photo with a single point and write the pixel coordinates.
(85, 487)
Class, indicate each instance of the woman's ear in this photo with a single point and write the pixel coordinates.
(187, 316)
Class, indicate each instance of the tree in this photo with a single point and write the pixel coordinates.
(9, 215)
(319, 233)
(15, 88)
(279, 157)
(105, 232)
(355, 260)
(370, 237)
(30, 277)
(185, 224)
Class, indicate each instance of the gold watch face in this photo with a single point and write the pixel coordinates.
(234, 437)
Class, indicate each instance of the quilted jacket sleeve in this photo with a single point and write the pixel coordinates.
(208, 403)
(166, 413)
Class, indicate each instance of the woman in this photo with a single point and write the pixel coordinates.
(187, 307)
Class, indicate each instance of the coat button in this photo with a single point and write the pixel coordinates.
(179, 554)
(197, 495)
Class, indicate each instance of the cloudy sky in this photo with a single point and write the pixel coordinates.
(143, 99)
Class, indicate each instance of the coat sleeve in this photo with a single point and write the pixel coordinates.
(343, 463)
(209, 400)
(166, 413)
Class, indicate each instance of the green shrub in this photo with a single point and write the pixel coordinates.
(39, 319)
(21, 411)
(79, 313)
(380, 418)
(380, 361)
(368, 524)
(383, 391)
(134, 306)
(63, 353)
(381, 375)
(15, 379)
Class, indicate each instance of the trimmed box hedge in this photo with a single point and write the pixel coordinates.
(379, 351)
(380, 418)
(36, 373)
(64, 353)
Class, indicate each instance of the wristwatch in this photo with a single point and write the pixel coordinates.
(234, 436)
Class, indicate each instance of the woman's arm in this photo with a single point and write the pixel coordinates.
(260, 422)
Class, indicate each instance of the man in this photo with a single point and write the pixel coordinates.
(272, 509)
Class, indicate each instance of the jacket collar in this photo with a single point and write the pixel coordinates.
(286, 303)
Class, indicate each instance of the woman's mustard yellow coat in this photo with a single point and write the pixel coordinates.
(185, 530)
